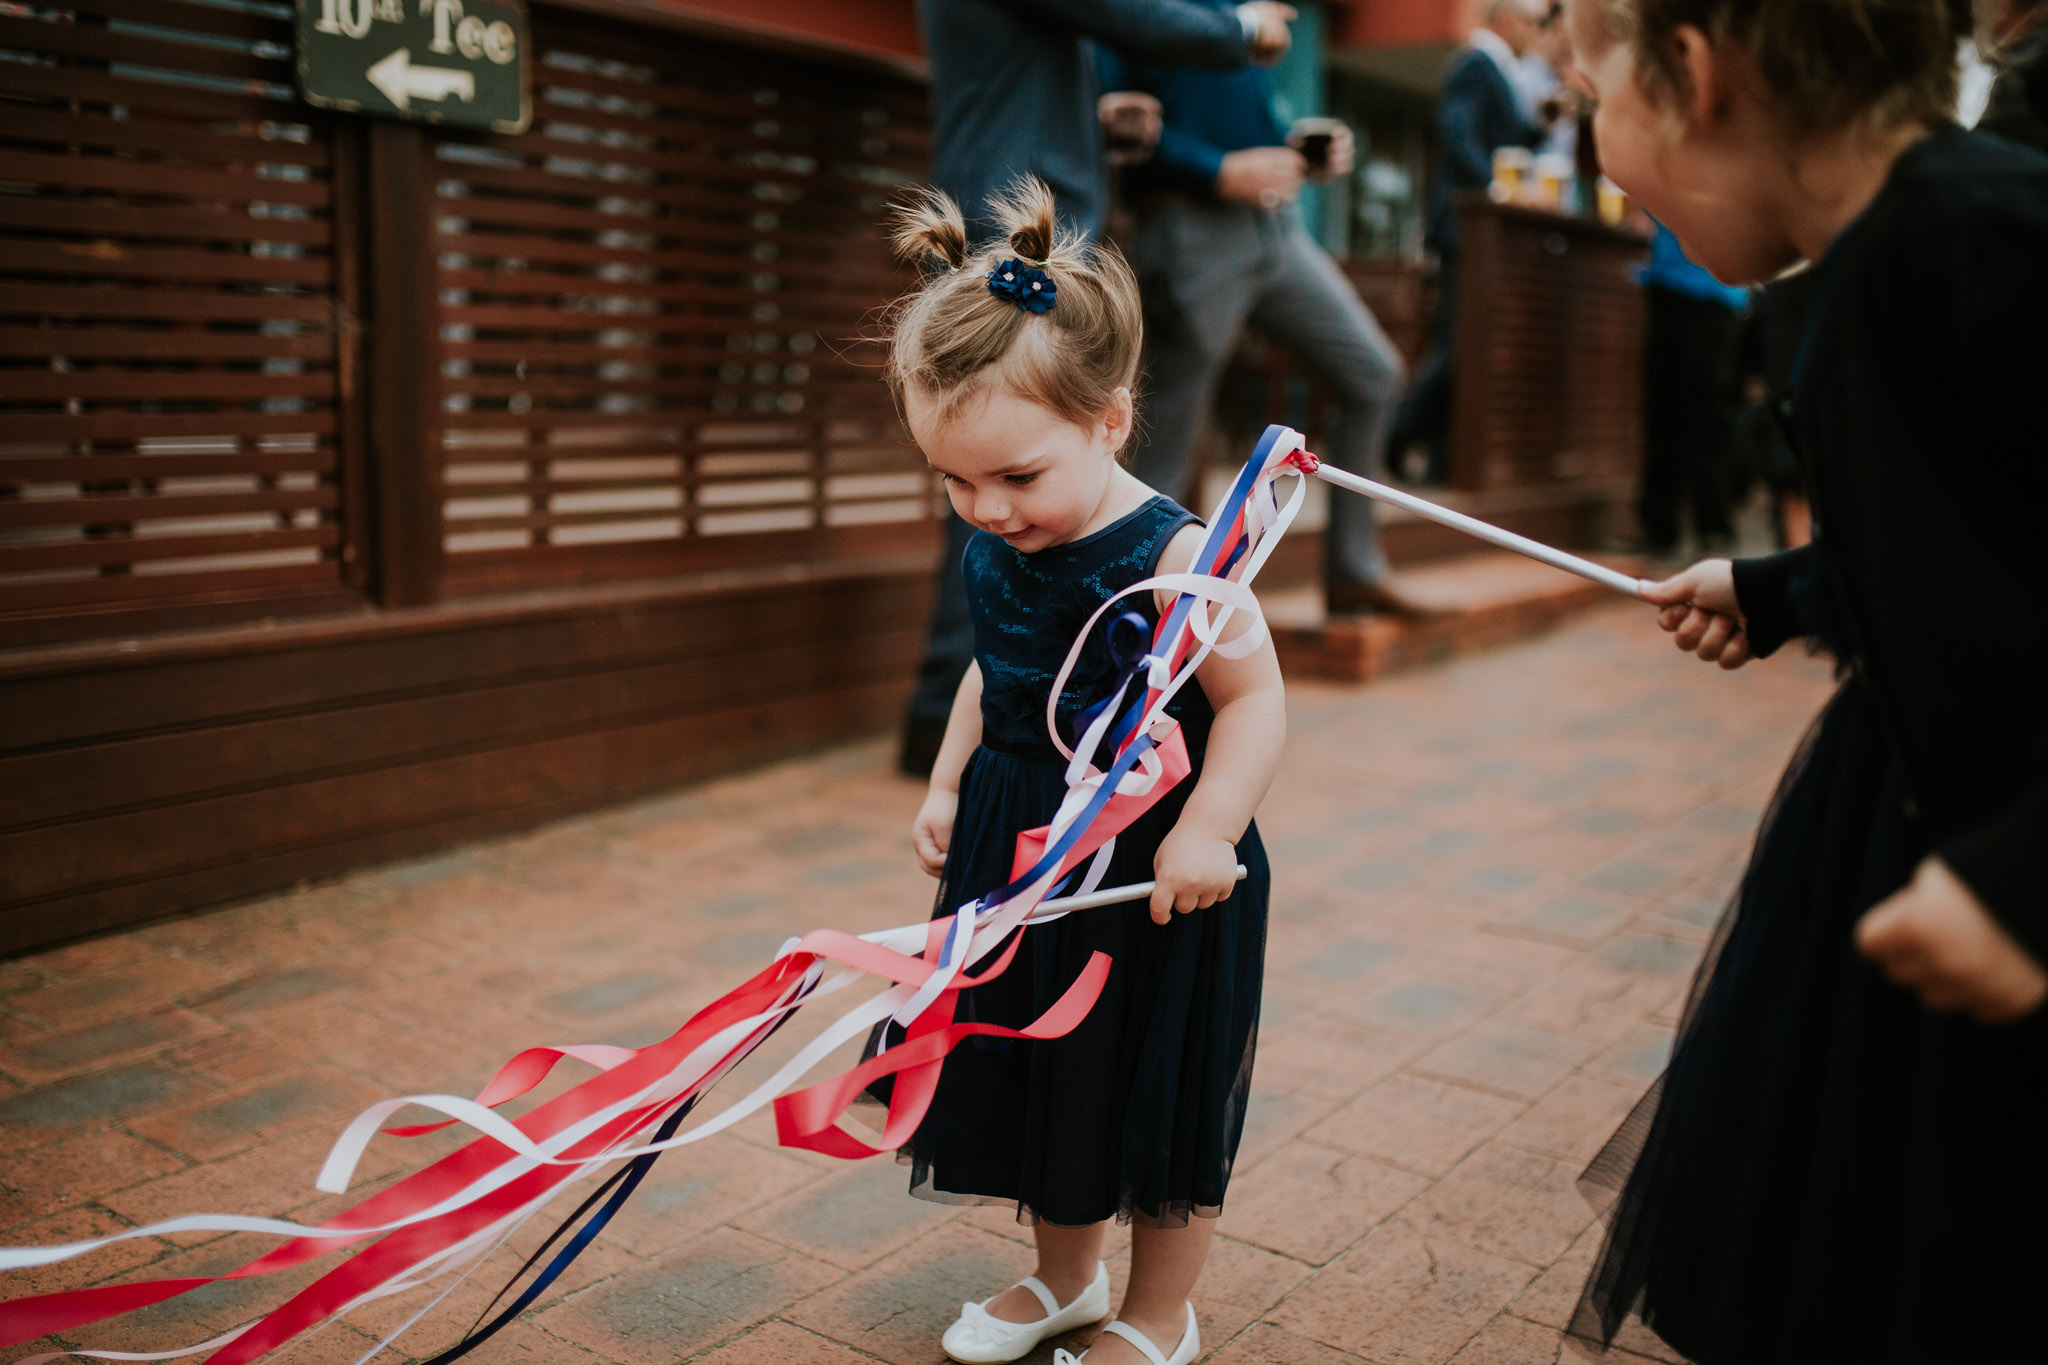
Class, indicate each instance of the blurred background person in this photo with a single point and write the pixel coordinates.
(1220, 242)
(1014, 93)
(1539, 82)
(1690, 362)
(1478, 112)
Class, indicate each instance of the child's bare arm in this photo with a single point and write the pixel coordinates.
(931, 833)
(1196, 865)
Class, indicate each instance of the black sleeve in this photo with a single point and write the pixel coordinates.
(1169, 32)
(1777, 594)
(2000, 356)
(2005, 862)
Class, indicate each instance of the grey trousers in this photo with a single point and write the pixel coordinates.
(1206, 270)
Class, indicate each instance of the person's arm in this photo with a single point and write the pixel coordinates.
(1970, 931)
(1531, 132)
(1731, 611)
(2003, 862)
(1776, 595)
(1171, 32)
(931, 833)
(1461, 124)
(1196, 865)
(2001, 274)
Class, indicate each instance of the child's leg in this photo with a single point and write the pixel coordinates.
(1165, 1263)
(1066, 1266)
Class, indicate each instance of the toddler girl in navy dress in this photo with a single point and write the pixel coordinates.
(1847, 1158)
(1014, 366)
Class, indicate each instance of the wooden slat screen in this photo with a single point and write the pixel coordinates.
(651, 303)
(170, 307)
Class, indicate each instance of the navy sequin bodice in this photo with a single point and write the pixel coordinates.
(1027, 609)
(1137, 1113)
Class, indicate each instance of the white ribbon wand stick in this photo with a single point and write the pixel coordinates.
(1108, 895)
(1492, 535)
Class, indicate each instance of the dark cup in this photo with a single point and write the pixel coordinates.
(1315, 150)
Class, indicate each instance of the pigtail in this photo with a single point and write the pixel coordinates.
(1026, 213)
(1052, 319)
(928, 228)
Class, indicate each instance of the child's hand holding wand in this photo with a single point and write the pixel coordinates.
(1195, 869)
(1700, 610)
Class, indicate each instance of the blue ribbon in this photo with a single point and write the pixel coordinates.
(1128, 657)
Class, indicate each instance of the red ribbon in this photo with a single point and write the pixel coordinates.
(808, 1118)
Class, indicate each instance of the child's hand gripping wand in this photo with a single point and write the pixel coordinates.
(1472, 526)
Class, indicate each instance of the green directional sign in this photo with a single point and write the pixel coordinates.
(460, 62)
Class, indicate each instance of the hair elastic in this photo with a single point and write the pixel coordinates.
(1029, 287)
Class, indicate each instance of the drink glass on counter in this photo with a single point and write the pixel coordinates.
(1551, 174)
(1510, 174)
(1613, 203)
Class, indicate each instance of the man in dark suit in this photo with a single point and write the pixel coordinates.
(1014, 93)
(1477, 113)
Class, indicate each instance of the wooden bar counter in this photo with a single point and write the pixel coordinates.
(1547, 383)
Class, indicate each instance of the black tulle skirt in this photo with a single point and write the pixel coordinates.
(1827, 1171)
(1136, 1114)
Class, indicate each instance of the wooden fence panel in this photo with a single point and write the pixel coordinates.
(1549, 362)
(651, 306)
(175, 297)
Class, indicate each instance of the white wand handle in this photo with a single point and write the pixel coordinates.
(1492, 535)
(1108, 895)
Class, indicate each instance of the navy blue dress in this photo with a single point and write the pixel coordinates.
(1136, 1114)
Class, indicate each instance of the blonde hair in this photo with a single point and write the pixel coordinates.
(1826, 64)
(952, 340)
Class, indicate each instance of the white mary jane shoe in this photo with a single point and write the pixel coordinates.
(1190, 1345)
(979, 1338)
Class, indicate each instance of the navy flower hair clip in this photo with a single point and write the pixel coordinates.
(1026, 286)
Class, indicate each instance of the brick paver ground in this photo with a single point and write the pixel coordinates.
(1492, 882)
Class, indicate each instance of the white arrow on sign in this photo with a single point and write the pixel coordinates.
(402, 82)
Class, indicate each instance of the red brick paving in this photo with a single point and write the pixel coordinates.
(1492, 881)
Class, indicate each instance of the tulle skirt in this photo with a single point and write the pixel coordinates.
(1827, 1171)
(1136, 1114)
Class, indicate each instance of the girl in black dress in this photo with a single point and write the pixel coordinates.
(1847, 1158)
(1014, 366)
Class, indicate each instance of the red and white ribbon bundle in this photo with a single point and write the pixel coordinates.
(441, 1221)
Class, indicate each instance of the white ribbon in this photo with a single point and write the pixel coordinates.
(974, 935)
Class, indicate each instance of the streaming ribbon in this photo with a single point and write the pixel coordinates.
(449, 1216)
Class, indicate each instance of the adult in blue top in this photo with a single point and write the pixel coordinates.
(1691, 365)
(1014, 93)
(1478, 112)
(1220, 242)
